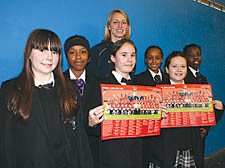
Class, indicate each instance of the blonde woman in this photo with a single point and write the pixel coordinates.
(117, 27)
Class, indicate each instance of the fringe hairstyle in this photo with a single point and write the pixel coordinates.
(117, 45)
(172, 55)
(20, 99)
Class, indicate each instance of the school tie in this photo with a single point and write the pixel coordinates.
(80, 84)
(127, 81)
(47, 86)
(157, 79)
(198, 77)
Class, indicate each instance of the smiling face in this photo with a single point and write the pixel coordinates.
(43, 62)
(154, 59)
(118, 27)
(77, 58)
(177, 69)
(125, 59)
(194, 57)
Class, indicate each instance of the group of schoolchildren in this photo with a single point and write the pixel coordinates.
(52, 119)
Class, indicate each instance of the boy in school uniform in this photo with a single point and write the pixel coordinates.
(194, 57)
(193, 54)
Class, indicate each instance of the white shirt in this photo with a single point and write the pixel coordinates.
(37, 83)
(154, 74)
(119, 77)
(173, 83)
(193, 70)
(73, 77)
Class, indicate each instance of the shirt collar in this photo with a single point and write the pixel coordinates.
(73, 77)
(37, 83)
(193, 70)
(119, 77)
(154, 74)
(173, 83)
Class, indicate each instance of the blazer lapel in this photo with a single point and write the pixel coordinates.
(149, 77)
(39, 115)
(112, 79)
(190, 78)
(87, 85)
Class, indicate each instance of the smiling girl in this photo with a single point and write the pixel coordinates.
(77, 53)
(124, 152)
(41, 111)
(179, 147)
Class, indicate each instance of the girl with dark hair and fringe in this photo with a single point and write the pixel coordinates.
(124, 152)
(41, 112)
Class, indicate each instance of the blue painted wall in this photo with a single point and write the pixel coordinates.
(171, 24)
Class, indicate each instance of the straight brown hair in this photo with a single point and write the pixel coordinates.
(20, 99)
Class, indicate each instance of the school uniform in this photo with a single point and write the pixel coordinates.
(146, 78)
(43, 140)
(120, 153)
(91, 88)
(151, 144)
(90, 100)
(181, 147)
(191, 77)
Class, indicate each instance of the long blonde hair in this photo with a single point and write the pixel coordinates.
(107, 34)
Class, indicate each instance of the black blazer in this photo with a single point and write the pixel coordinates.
(191, 79)
(110, 80)
(120, 153)
(28, 144)
(91, 84)
(169, 141)
(190, 134)
(145, 78)
(151, 144)
(90, 100)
